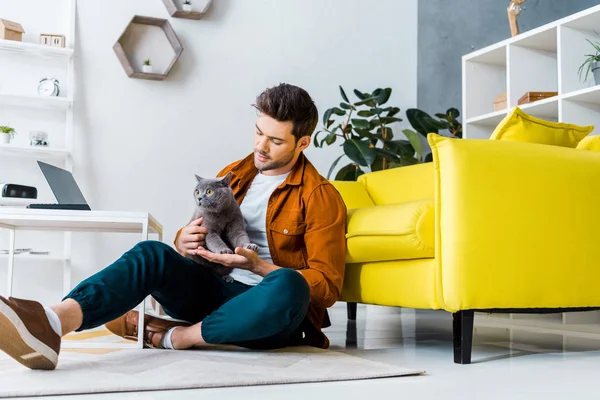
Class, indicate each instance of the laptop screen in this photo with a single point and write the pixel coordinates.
(63, 184)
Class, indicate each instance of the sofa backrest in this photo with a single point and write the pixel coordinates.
(354, 194)
(400, 184)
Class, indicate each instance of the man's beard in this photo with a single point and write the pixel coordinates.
(271, 165)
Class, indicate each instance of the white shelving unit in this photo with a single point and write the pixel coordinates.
(545, 59)
(19, 101)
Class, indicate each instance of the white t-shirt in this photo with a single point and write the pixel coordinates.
(254, 210)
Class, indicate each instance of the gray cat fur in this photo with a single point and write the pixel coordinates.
(222, 218)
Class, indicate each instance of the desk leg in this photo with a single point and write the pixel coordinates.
(67, 264)
(142, 307)
(11, 262)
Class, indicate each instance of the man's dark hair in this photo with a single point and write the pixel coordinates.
(289, 103)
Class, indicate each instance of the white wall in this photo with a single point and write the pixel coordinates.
(140, 142)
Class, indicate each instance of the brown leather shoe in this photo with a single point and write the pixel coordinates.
(155, 329)
(26, 334)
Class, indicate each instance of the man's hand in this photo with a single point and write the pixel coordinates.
(242, 259)
(192, 237)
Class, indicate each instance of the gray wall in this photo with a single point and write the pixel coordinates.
(448, 29)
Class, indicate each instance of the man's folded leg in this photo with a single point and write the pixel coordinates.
(267, 316)
(186, 291)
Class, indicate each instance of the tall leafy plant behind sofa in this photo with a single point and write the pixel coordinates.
(368, 140)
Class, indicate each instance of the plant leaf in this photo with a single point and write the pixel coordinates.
(326, 116)
(365, 113)
(415, 141)
(338, 111)
(361, 123)
(388, 155)
(345, 106)
(359, 94)
(403, 148)
(393, 111)
(383, 96)
(334, 165)
(350, 172)
(360, 152)
(423, 122)
(389, 120)
(368, 101)
(315, 140)
(429, 157)
(344, 95)
(453, 113)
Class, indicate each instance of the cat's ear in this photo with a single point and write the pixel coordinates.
(198, 178)
(226, 179)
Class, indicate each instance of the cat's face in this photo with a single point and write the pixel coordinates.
(213, 194)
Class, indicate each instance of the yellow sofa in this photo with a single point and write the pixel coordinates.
(489, 225)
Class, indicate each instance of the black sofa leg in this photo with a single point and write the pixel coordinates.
(351, 311)
(463, 336)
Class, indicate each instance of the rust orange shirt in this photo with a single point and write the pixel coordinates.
(306, 227)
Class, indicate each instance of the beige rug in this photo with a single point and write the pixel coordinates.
(142, 370)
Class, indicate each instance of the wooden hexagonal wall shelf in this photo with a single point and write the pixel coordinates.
(148, 40)
(190, 9)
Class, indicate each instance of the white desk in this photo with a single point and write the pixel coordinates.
(18, 219)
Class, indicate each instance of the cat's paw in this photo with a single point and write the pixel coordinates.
(225, 251)
(251, 246)
(228, 279)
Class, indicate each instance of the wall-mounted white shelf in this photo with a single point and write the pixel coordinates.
(545, 59)
(36, 257)
(35, 49)
(34, 151)
(61, 103)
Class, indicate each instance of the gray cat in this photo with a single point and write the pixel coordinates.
(223, 219)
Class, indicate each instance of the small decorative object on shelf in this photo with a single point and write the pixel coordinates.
(123, 50)
(6, 134)
(10, 30)
(48, 87)
(513, 10)
(531, 97)
(53, 40)
(38, 138)
(186, 11)
(591, 64)
(147, 67)
(500, 102)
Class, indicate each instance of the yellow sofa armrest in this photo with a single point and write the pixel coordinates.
(354, 194)
(398, 185)
(589, 143)
(517, 225)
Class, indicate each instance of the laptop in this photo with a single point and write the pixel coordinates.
(65, 190)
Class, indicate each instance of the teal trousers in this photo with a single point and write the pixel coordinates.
(265, 316)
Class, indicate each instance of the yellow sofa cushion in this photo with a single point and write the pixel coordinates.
(391, 232)
(590, 143)
(407, 283)
(521, 127)
(354, 194)
(397, 185)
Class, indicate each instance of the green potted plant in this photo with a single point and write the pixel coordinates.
(147, 66)
(187, 5)
(368, 140)
(425, 124)
(6, 134)
(591, 64)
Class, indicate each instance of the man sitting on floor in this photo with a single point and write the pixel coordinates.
(278, 297)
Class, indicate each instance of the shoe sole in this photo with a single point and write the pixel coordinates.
(21, 345)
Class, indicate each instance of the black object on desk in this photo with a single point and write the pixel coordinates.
(65, 190)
